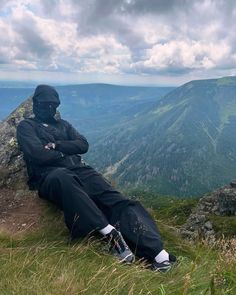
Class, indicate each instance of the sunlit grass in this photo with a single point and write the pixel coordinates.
(46, 262)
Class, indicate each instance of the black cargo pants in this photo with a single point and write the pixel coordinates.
(90, 203)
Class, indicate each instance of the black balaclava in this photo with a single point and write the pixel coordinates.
(45, 102)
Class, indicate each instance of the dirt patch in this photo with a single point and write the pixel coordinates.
(20, 211)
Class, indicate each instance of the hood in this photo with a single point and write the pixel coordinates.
(45, 93)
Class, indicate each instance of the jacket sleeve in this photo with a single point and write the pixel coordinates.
(32, 147)
(76, 143)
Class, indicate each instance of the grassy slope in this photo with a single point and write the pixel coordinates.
(45, 262)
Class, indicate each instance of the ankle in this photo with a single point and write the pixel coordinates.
(162, 256)
(106, 230)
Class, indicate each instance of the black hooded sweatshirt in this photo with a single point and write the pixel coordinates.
(33, 134)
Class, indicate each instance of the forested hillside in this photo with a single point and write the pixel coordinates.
(184, 144)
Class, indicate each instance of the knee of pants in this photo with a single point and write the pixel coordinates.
(58, 174)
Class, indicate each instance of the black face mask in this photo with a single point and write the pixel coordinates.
(45, 111)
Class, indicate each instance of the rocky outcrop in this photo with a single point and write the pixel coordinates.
(20, 209)
(221, 202)
(12, 167)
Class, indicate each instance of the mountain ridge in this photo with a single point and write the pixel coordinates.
(187, 141)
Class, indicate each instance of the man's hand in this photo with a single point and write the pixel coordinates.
(50, 146)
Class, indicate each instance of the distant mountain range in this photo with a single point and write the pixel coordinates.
(98, 108)
(184, 144)
(16, 84)
(10, 98)
(178, 141)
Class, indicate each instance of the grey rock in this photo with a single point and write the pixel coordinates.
(189, 234)
(215, 209)
(201, 207)
(209, 233)
(233, 183)
(12, 167)
(208, 225)
(221, 202)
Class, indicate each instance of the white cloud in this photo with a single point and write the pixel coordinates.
(69, 51)
(186, 54)
(121, 38)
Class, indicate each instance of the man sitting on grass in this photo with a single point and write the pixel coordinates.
(52, 149)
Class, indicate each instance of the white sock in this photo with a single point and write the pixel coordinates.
(162, 256)
(106, 230)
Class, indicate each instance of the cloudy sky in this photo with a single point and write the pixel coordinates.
(136, 42)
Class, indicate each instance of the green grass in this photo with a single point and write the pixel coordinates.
(45, 262)
(224, 224)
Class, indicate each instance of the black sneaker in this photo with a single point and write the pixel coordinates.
(172, 258)
(164, 266)
(119, 248)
